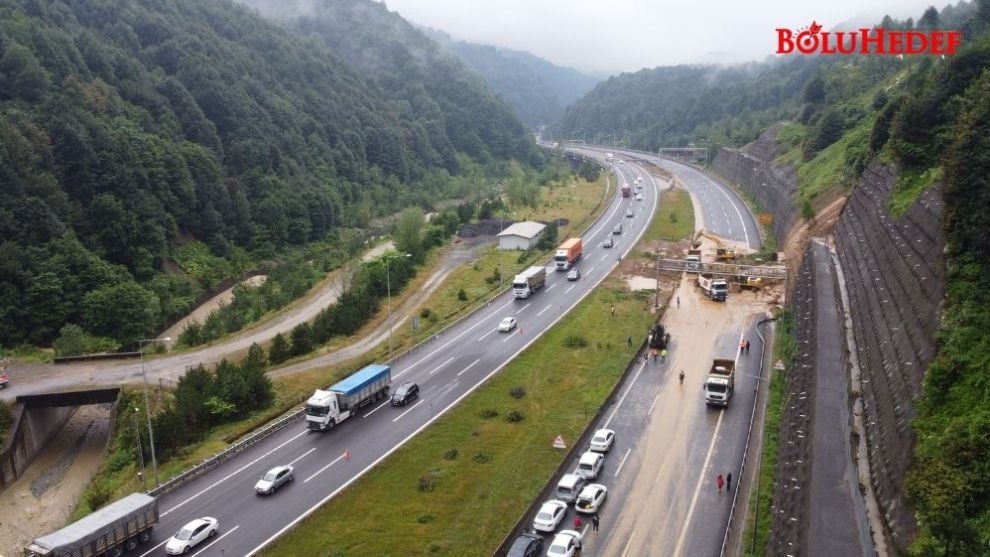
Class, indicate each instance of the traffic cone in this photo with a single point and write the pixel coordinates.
(347, 454)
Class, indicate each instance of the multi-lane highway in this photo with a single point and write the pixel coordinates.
(447, 368)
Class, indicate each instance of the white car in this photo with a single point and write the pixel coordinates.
(629, 213)
(602, 440)
(274, 479)
(591, 498)
(565, 544)
(507, 325)
(622, 161)
(191, 535)
(639, 197)
(550, 515)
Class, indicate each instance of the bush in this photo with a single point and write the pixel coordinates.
(6, 418)
(517, 392)
(451, 454)
(425, 518)
(73, 340)
(461, 295)
(575, 341)
(489, 413)
(807, 211)
(425, 313)
(428, 481)
(482, 458)
(98, 494)
(514, 416)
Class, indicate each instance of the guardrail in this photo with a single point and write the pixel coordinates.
(96, 357)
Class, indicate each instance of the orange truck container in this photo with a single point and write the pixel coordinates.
(568, 253)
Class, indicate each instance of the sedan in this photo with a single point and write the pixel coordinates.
(608, 243)
(550, 515)
(565, 544)
(574, 274)
(629, 213)
(507, 325)
(601, 441)
(406, 392)
(191, 535)
(274, 479)
(528, 544)
(591, 498)
(639, 197)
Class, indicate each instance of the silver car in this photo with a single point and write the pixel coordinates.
(274, 479)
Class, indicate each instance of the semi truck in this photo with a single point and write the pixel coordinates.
(609, 157)
(715, 288)
(109, 531)
(719, 383)
(568, 253)
(328, 407)
(692, 263)
(529, 281)
(625, 190)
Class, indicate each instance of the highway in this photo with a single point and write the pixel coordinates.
(448, 368)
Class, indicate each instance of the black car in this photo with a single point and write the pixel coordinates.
(406, 392)
(528, 544)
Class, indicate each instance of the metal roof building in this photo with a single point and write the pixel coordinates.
(521, 235)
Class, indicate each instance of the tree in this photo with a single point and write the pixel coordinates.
(302, 339)
(826, 132)
(279, 351)
(408, 233)
(929, 19)
(127, 312)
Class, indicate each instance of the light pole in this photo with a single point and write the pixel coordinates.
(388, 289)
(140, 449)
(147, 406)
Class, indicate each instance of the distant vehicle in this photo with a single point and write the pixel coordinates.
(591, 498)
(566, 543)
(574, 274)
(529, 281)
(609, 157)
(639, 197)
(715, 288)
(507, 325)
(4, 379)
(638, 180)
(550, 515)
(569, 486)
(568, 253)
(191, 535)
(625, 190)
(629, 213)
(602, 440)
(274, 479)
(527, 544)
(692, 263)
(328, 407)
(618, 229)
(406, 392)
(609, 242)
(118, 527)
(622, 161)
(590, 465)
(720, 382)
(659, 338)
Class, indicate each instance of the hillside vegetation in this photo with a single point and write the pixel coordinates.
(130, 128)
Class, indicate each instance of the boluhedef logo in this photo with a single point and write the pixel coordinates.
(812, 40)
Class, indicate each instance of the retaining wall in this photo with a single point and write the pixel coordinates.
(32, 429)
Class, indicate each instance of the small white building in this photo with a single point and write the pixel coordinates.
(522, 235)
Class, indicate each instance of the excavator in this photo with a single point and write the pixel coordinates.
(722, 253)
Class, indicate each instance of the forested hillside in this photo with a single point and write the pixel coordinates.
(537, 89)
(130, 130)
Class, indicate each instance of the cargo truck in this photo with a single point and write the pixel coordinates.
(567, 254)
(328, 407)
(715, 288)
(109, 531)
(719, 383)
(609, 157)
(625, 190)
(692, 263)
(529, 281)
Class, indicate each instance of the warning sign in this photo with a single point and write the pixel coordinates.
(779, 366)
(558, 443)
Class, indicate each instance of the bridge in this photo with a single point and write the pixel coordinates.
(772, 272)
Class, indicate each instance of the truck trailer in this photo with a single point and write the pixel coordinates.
(626, 190)
(715, 288)
(567, 254)
(328, 407)
(110, 531)
(529, 281)
(720, 382)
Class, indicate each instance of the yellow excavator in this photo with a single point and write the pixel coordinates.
(722, 253)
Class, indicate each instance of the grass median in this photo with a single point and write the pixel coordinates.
(459, 486)
(674, 219)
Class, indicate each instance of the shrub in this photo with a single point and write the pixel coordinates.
(517, 392)
(489, 413)
(428, 481)
(514, 416)
(462, 295)
(807, 211)
(482, 458)
(451, 454)
(425, 313)
(98, 494)
(575, 341)
(425, 518)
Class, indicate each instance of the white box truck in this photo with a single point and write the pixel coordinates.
(328, 407)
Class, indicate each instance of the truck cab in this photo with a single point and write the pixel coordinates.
(720, 382)
(322, 410)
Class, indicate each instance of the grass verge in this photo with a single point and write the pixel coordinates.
(674, 219)
(456, 488)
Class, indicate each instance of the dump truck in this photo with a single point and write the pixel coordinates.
(328, 407)
(719, 383)
(713, 287)
(529, 281)
(568, 253)
(692, 263)
(626, 190)
(110, 531)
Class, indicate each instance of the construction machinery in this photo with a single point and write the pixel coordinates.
(722, 253)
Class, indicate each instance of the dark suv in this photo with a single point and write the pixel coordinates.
(528, 544)
(406, 392)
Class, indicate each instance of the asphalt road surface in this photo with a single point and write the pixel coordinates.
(447, 369)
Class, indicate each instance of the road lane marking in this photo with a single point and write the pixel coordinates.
(482, 337)
(549, 288)
(509, 336)
(524, 307)
(628, 541)
(589, 270)
(542, 310)
(320, 471)
(152, 550)
(301, 456)
(413, 407)
(450, 359)
(603, 257)
(449, 342)
(235, 472)
(468, 367)
(375, 409)
(622, 463)
(215, 540)
(632, 383)
(569, 289)
(655, 399)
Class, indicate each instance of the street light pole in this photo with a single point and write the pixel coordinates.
(388, 289)
(147, 406)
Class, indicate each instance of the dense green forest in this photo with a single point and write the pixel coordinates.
(131, 131)
(537, 89)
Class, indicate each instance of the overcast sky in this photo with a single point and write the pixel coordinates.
(607, 36)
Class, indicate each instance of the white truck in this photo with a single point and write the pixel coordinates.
(715, 288)
(328, 407)
(109, 531)
(720, 382)
(692, 263)
(609, 157)
(529, 281)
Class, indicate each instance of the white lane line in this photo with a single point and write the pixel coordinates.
(235, 472)
(411, 408)
(542, 310)
(375, 409)
(482, 337)
(524, 307)
(628, 539)
(621, 463)
(320, 471)
(301, 456)
(451, 341)
(569, 289)
(603, 257)
(468, 367)
(592, 268)
(618, 405)
(655, 399)
(152, 550)
(549, 288)
(215, 540)
(509, 336)
(450, 359)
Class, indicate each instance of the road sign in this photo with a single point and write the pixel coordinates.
(415, 323)
(779, 366)
(558, 443)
